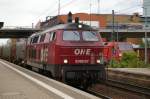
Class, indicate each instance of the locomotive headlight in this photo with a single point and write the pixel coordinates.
(79, 26)
(120, 54)
(65, 61)
(98, 61)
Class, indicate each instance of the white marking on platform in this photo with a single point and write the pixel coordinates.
(12, 95)
(46, 86)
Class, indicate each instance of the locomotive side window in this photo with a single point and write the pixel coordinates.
(71, 36)
(52, 36)
(90, 36)
(31, 40)
(42, 38)
(35, 39)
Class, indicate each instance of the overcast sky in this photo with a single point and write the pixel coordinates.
(26, 12)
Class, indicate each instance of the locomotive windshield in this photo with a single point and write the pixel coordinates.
(71, 36)
(90, 36)
(76, 36)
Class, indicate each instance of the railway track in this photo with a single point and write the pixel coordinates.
(120, 85)
(98, 94)
(129, 87)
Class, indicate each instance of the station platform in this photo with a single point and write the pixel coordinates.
(142, 71)
(19, 83)
(134, 76)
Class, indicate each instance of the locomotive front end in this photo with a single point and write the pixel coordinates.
(81, 55)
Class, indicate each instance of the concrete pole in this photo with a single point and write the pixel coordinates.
(98, 10)
(113, 28)
(90, 11)
(112, 36)
(145, 10)
(32, 25)
(58, 7)
(117, 32)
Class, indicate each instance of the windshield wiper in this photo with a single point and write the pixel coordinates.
(76, 33)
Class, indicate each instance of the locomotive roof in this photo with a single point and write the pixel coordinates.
(68, 26)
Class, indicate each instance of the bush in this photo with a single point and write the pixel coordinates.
(128, 60)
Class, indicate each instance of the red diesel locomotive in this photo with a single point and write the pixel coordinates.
(70, 52)
(115, 50)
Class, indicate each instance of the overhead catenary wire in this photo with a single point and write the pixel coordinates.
(138, 3)
(63, 6)
(120, 3)
(129, 8)
(47, 12)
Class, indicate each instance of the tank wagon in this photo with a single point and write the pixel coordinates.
(6, 51)
(20, 51)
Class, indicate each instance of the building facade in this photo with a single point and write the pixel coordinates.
(95, 20)
(145, 19)
(99, 21)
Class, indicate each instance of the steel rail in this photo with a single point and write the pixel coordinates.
(129, 87)
(98, 94)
